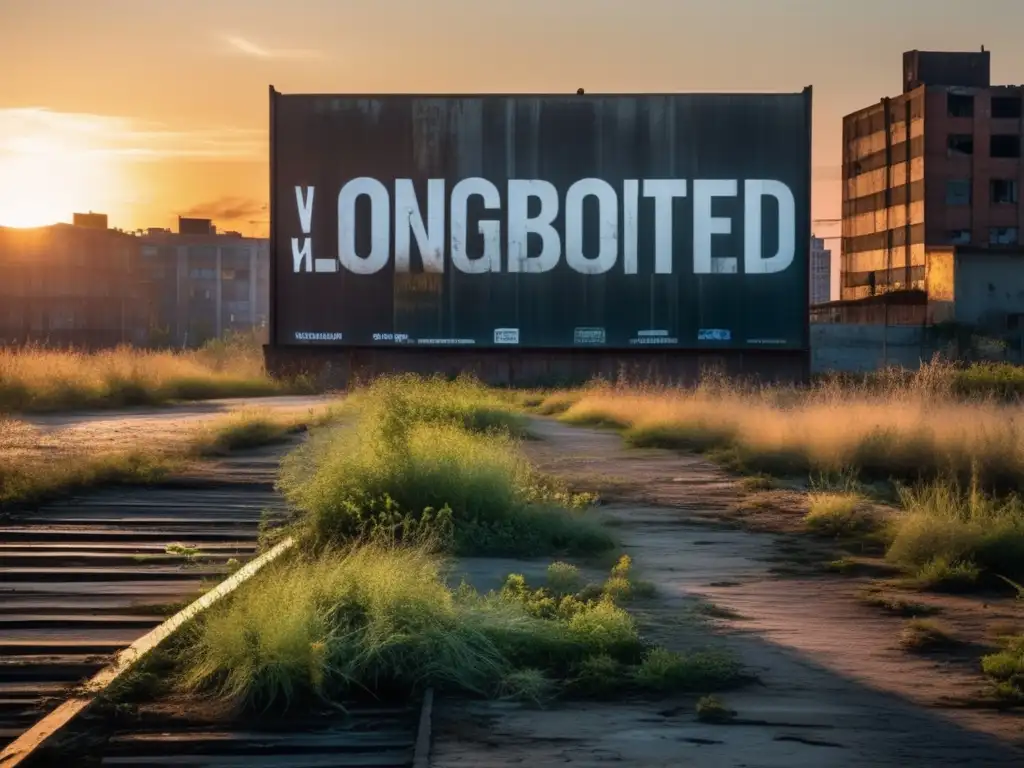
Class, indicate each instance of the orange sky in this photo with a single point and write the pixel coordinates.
(145, 109)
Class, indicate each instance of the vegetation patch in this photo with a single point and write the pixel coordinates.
(29, 477)
(924, 635)
(1005, 669)
(427, 458)
(378, 619)
(943, 575)
(31, 481)
(951, 535)
(35, 379)
(896, 605)
(882, 427)
(556, 403)
(838, 515)
(712, 710)
(247, 428)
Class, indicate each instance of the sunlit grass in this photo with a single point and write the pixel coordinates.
(444, 456)
(41, 379)
(378, 620)
(32, 476)
(951, 534)
(910, 427)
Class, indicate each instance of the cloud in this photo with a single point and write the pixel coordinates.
(246, 47)
(228, 209)
(42, 131)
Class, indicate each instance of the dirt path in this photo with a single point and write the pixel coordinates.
(835, 690)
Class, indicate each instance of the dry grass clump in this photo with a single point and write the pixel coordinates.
(41, 379)
(918, 427)
(923, 635)
(248, 428)
(838, 515)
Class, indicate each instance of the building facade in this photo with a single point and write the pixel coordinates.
(208, 283)
(937, 166)
(821, 271)
(66, 285)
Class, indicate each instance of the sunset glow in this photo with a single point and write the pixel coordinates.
(48, 176)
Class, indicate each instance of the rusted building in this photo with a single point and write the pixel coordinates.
(72, 285)
(935, 167)
(208, 283)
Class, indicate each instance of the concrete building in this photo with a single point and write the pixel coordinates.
(67, 285)
(936, 166)
(821, 271)
(207, 283)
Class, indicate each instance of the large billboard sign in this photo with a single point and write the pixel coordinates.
(541, 221)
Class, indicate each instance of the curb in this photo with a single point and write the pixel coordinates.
(21, 749)
(421, 755)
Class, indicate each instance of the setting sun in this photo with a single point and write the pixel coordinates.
(50, 170)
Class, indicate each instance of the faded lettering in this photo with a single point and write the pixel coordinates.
(490, 259)
(521, 224)
(664, 191)
(608, 226)
(705, 225)
(380, 236)
(531, 209)
(409, 220)
(754, 262)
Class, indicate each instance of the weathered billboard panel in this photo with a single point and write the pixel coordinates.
(532, 222)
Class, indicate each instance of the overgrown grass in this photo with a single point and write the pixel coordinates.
(434, 458)
(379, 620)
(27, 481)
(896, 605)
(28, 477)
(34, 379)
(247, 428)
(908, 427)
(923, 635)
(1006, 669)
(464, 403)
(838, 515)
(951, 535)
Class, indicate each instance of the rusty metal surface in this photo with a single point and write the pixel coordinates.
(364, 185)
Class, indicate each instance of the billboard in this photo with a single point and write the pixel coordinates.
(541, 221)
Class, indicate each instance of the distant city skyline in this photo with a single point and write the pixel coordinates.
(147, 110)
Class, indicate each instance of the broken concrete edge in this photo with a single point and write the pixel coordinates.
(421, 754)
(18, 752)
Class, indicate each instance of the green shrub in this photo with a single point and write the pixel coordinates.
(564, 579)
(409, 462)
(1006, 669)
(944, 526)
(380, 619)
(664, 670)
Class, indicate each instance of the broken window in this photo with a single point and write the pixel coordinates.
(961, 144)
(960, 237)
(1006, 106)
(958, 192)
(1002, 236)
(1005, 145)
(960, 105)
(1003, 191)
